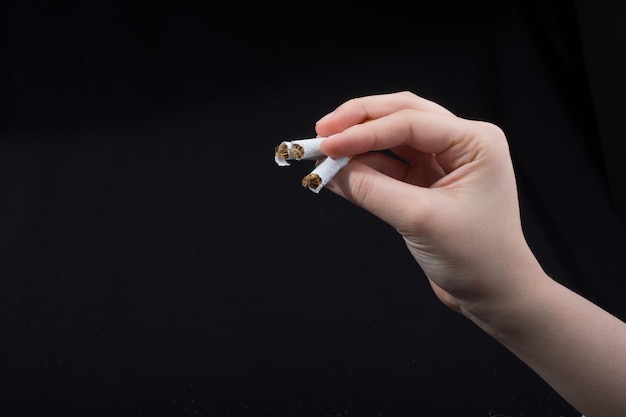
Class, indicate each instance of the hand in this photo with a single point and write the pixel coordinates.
(453, 199)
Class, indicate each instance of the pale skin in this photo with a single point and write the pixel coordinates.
(455, 204)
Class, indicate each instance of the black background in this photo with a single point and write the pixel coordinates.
(156, 261)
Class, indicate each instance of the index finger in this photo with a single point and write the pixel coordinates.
(454, 140)
(359, 110)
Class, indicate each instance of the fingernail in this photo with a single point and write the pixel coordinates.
(328, 116)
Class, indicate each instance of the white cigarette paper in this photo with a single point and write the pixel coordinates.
(324, 172)
(298, 150)
(310, 149)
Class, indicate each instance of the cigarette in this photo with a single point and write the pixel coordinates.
(298, 150)
(324, 172)
(308, 149)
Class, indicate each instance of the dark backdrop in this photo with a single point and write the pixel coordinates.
(156, 261)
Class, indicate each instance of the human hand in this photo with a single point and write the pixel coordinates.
(454, 200)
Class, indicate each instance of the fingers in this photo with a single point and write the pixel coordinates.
(379, 194)
(422, 169)
(432, 142)
(384, 164)
(453, 139)
(359, 110)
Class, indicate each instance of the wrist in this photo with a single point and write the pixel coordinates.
(521, 289)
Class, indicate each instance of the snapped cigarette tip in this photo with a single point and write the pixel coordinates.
(312, 182)
(281, 154)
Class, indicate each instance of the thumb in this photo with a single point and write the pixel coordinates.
(404, 206)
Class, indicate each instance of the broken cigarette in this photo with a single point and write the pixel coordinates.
(309, 149)
(297, 150)
(324, 172)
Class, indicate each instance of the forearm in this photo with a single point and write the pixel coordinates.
(575, 346)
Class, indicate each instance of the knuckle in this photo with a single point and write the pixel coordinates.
(492, 130)
(407, 94)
